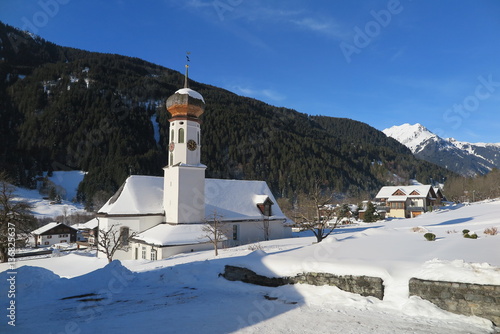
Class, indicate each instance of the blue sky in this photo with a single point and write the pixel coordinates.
(380, 62)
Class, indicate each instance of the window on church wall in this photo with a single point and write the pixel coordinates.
(124, 234)
(235, 232)
(172, 135)
(181, 135)
(153, 254)
(144, 253)
(198, 138)
(171, 159)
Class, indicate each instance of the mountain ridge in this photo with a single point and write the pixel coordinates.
(467, 159)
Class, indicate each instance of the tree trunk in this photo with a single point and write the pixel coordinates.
(3, 255)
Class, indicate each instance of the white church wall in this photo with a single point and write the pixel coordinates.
(140, 251)
(254, 231)
(136, 224)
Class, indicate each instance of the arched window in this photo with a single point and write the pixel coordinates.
(198, 137)
(124, 235)
(181, 135)
(172, 135)
(171, 159)
(235, 232)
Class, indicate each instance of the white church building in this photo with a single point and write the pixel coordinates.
(167, 214)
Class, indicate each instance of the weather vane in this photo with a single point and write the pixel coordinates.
(187, 66)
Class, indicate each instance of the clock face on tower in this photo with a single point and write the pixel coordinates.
(171, 146)
(191, 145)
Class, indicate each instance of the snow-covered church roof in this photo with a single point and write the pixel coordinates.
(138, 195)
(232, 199)
(174, 235)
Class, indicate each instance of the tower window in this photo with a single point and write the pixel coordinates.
(171, 159)
(172, 135)
(181, 135)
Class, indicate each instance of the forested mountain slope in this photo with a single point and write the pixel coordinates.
(63, 108)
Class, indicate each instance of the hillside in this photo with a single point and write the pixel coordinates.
(464, 158)
(65, 109)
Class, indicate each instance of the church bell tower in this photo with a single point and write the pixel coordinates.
(184, 181)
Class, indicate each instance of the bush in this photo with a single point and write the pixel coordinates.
(470, 236)
(465, 231)
(491, 231)
(430, 236)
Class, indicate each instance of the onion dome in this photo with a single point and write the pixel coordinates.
(186, 103)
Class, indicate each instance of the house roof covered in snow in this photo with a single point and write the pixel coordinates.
(398, 193)
(234, 200)
(48, 227)
(91, 224)
(174, 235)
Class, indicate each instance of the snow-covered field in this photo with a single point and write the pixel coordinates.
(79, 293)
(67, 184)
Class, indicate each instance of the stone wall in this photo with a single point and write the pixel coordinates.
(461, 298)
(363, 285)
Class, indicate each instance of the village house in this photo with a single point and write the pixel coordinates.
(54, 233)
(87, 232)
(408, 201)
(158, 217)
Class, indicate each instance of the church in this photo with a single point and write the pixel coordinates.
(167, 215)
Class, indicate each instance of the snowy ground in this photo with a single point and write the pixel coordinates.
(79, 293)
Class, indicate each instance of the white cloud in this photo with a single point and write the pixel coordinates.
(268, 94)
(325, 26)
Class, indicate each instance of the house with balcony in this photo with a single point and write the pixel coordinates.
(408, 201)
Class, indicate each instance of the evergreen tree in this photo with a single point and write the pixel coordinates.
(371, 214)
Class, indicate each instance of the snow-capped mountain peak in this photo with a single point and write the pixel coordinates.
(413, 136)
(461, 157)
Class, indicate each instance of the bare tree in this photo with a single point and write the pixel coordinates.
(113, 239)
(315, 213)
(16, 219)
(215, 230)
